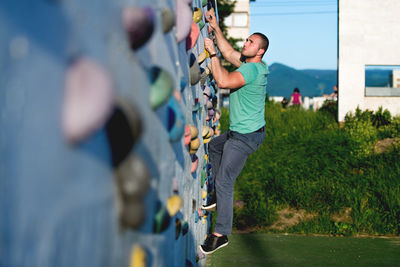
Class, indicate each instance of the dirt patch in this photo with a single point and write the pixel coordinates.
(344, 215)
(289, 217)
(385, 145)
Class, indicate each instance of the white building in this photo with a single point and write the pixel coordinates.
(238, 22)
(368, 36)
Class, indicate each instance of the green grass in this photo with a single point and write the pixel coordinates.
(252, 250)
(308, 162)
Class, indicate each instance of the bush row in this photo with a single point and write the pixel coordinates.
(309, 162)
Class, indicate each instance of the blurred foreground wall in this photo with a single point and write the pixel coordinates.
(95, 169)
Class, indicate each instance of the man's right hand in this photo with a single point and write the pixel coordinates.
(209, 46)
(211, 19)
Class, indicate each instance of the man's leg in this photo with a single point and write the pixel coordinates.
(236, 150)
(215, 150)
(234, 157)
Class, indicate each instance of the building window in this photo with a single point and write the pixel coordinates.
(240, 19)
(237, 20)
(382, 80)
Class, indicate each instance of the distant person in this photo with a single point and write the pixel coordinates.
(284, 102)
(295, 99)
(334, 94)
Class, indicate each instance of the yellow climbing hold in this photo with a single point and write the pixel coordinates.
(197, 14)
(138, 257)
(202, 56)
(205, 131)
(174, 204)
(204, 194)
(194, 145)
(194, 131)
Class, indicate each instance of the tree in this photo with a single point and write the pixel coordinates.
(225, 8)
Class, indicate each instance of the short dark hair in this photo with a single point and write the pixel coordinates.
(264, 40)
(296, 90)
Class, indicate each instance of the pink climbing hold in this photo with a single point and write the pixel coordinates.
(187, 135)
(192, 38)
(88, 99)
(183, 19)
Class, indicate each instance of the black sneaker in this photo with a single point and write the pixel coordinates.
(211, 204)
(213, 243)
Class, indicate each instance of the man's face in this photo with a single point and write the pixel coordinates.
(251, 46)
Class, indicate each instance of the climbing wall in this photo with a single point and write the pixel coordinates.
(106, 111)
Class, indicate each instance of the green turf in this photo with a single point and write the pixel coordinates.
(247, 250)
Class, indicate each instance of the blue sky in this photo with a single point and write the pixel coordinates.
(302, 33)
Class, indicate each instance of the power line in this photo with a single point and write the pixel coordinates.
(300, 4)
(293, 13)
(295, 2)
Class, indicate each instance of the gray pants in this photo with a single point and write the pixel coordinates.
(228, 154)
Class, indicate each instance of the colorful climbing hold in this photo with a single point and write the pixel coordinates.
(174, 204)
(138, 257)
(183, 19)
(176, 120)
(133, 178)
(161, 88)
(203, 178)
(132, 214)
(194, 145)
(139, 25)
(168, 19)
(202, 57)
(194, 131)
(197, 14)
(204, 194)
(161, 220)
(187, 137)
(201, 24)
(195, 74)
(185, 227)
(123, 129)
(88, 99)
(193, 36)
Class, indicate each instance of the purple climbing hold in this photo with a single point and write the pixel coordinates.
(139, 25)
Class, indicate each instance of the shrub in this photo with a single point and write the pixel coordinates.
(362, 136)
(330, 107)
(381, 118)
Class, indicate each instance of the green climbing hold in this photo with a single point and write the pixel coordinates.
(161, 88)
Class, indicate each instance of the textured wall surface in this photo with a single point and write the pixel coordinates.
(63, 188)
(367, 36)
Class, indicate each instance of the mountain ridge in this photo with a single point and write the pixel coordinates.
(282, 79)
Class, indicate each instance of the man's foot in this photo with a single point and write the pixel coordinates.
(213, 243)
(211, 204)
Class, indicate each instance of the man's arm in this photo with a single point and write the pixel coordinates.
(224, 46)
(224, 78)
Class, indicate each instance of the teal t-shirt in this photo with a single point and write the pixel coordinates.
(247, 104)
